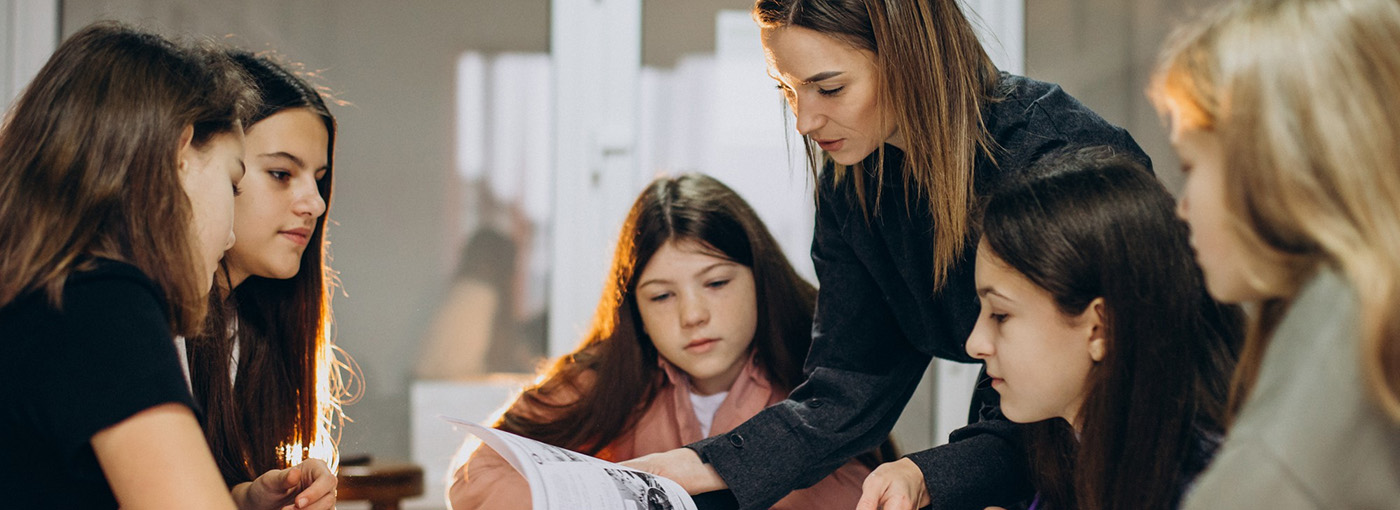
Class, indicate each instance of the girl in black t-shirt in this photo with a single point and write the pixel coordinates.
(118, 168)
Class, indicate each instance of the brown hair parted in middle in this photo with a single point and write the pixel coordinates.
(687, 208)
(936, 78)
(1089, 225)
(277, 416)
(89, 162)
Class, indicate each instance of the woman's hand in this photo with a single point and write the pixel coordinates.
(897, 485)
(682, 465)
(307, 486)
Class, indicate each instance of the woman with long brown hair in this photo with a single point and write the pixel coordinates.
(1286, 117)
(909, 123)
(1098, 333)
(703, 323)
(118, 168)
(258, 369)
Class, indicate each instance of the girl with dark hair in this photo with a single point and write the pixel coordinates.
(703, 324)
(908, 123)
(258, 371)
(1097, 331)
(118, 170)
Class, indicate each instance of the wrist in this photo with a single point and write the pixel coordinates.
(240, 494)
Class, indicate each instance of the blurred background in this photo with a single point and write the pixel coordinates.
(489, 149)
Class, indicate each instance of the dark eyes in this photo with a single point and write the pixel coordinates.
(659, 297)
(280, 175)
(717, 284)
(825, 92)
(998, 317)
(237, 190)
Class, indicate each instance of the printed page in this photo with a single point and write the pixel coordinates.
(561, 479)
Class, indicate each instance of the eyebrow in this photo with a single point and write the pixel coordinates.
(986, 291)
(707, 269)
(295, 160)
(825, 75)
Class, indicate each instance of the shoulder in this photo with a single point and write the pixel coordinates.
(104, 296)
(1029, 118)
(548, 401)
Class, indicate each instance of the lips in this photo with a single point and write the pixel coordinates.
(701, 345)
(831, 145)
(300, 236)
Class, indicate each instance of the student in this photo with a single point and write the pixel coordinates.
(1096, 324)
(703, 324)
(255, 372)
(118, 167)
(1286, 118)
(914, 123)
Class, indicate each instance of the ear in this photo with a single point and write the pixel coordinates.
(1096, 321)
(186, 151)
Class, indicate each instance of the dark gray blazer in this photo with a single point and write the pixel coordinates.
(879, 324)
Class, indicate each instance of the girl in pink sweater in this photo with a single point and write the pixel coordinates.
(703, 323)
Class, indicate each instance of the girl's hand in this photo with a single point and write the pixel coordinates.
(307, 486)
(682, 465)
(897, 485)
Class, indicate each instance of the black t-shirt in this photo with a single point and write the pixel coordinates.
(65, 374)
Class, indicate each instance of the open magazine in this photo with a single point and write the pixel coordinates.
(561, 479)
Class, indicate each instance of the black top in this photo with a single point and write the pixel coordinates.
(878, 324)
(68, 374)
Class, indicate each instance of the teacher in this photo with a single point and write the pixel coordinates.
(914, 124)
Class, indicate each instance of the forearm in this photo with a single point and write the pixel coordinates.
(831, 418)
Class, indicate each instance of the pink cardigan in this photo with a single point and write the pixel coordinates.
(488, 482)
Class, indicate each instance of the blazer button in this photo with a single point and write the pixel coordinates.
(736, 440)
(815, 403)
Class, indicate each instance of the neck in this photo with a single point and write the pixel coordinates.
(718, 383)
(896, 139)
(236, 276)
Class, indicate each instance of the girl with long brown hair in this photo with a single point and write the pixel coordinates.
(118, 168)
(908, 123)
(1286, 117)
(1098, 333)
(703, 323)
(259, 368)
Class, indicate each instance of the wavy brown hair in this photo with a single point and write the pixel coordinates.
(271, 417)
(1099, 225)
(935, 79)
(89, 163)
(617, 350)
(1303, 93)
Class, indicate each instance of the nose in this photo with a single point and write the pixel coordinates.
(309, 201)
(228, 245)
(694, 312)
(809, 118)
(979, 343)
(1181, 207)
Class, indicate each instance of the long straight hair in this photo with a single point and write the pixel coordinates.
(89, 163)
(277, 413)
(1303, 93)
(1098, 225)
(614, 372)
(935, 79)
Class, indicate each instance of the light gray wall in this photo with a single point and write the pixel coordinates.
(1102, 52)
(395, 63)
(674, 28)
